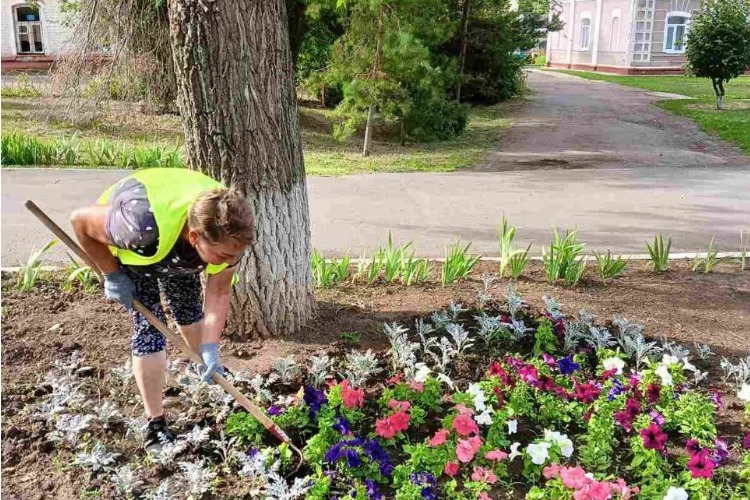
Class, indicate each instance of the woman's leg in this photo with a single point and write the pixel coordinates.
(149, 348)
(184, 296)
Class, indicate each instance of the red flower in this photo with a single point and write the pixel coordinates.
(653, 392)
(500, 396)
(400, 421)
(352, 397)
(587, 393)
(633, 408)
(701, 465)
(395, 404)
(654, 438)
(439, 438)
(384, 428)
(395, 379)
(451, 468)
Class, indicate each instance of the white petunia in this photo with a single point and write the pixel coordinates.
(663, 372)
(484, 418)
(668, 359)
(423, 371)
(614, 363)
(514, 451)
(687, 365)
(744, 393)
(512, 426)
(479, 398)
(676, 494)
(539, 452)
(565, 444)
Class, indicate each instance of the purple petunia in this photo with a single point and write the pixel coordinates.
(341, 425)
(372, 490)
(428, 483)
(567, 366)
(616, 390)
(274, 411)
(314, 399)
(721, 454)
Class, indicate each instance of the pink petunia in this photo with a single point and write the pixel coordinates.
(384, 428)
(701, 465)
(465, 425)
(395, 404)
(465, 450)
(552, 471)
(484, 496)
(463, 410)
(440, 437)
(484, 475)
(574, 477)
(400, 421)
(416, 386)
(496, 455)
(451, 468)
(352, 398)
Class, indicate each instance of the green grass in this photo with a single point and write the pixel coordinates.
(123, 128)
(731, 124)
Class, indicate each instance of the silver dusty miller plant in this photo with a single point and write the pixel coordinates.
(318, 370)
(739, 372)
(403, 351)
(459, 336)
(484, 295)
(633, 343)
(198, 477)
(442, 354)
(126, 481)
(360, 367)
(488, 327)
(674, 348)
(552, 307)
(97, 459)
(69, 428)
(287, 368)
(107, 414)
(455, 309)
(704, 351)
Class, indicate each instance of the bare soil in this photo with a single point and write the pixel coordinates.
(46, 324)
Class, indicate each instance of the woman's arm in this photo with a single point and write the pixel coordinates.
(89, 226)
(216, 305)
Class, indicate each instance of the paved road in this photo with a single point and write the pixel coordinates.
(612, 208)
(582, 154)
(570, 122)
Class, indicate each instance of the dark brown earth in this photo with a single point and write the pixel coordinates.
(47, 324)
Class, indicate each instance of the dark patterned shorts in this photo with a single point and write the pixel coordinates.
(184, 297)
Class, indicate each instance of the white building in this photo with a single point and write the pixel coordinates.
(33, 34)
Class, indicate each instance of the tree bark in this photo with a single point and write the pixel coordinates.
(718, 84)
(236, 96)
(464, 43)
(375, 73)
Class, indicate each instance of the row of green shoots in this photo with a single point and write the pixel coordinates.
(563, 260)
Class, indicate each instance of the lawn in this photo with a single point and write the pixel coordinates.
(731, 124)
(133, 139)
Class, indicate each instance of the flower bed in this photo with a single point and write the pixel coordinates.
(494, 402)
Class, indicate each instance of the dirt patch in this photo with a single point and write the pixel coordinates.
(47, 324)
(729, 104)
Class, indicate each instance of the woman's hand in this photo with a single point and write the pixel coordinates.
(215, 312)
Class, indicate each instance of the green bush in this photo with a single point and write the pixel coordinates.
(436, 119)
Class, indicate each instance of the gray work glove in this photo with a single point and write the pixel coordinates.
(119, 287)
(210, 355)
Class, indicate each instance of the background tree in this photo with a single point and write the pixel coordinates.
(718, 43)
(235, 92)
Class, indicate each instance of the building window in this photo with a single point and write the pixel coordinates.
(28, 30)
(614, 34)
(585, 38)
(675, 32)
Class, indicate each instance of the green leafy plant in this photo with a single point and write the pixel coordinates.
(414, 270)
(83, 274)
(743, 250)
(29, 271)
(609, 266)
(377, 264)
(458, 263)
(544, 338)
(562, 260)
(518, 262)
(352, 338)
(393, 259)
(707, 262)
(328, 273)
(659, 253)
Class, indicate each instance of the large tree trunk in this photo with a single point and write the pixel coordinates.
(239, 112)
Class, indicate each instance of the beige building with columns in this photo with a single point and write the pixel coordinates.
(622, 36)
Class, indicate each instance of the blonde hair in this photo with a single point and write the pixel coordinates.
(222, 214)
